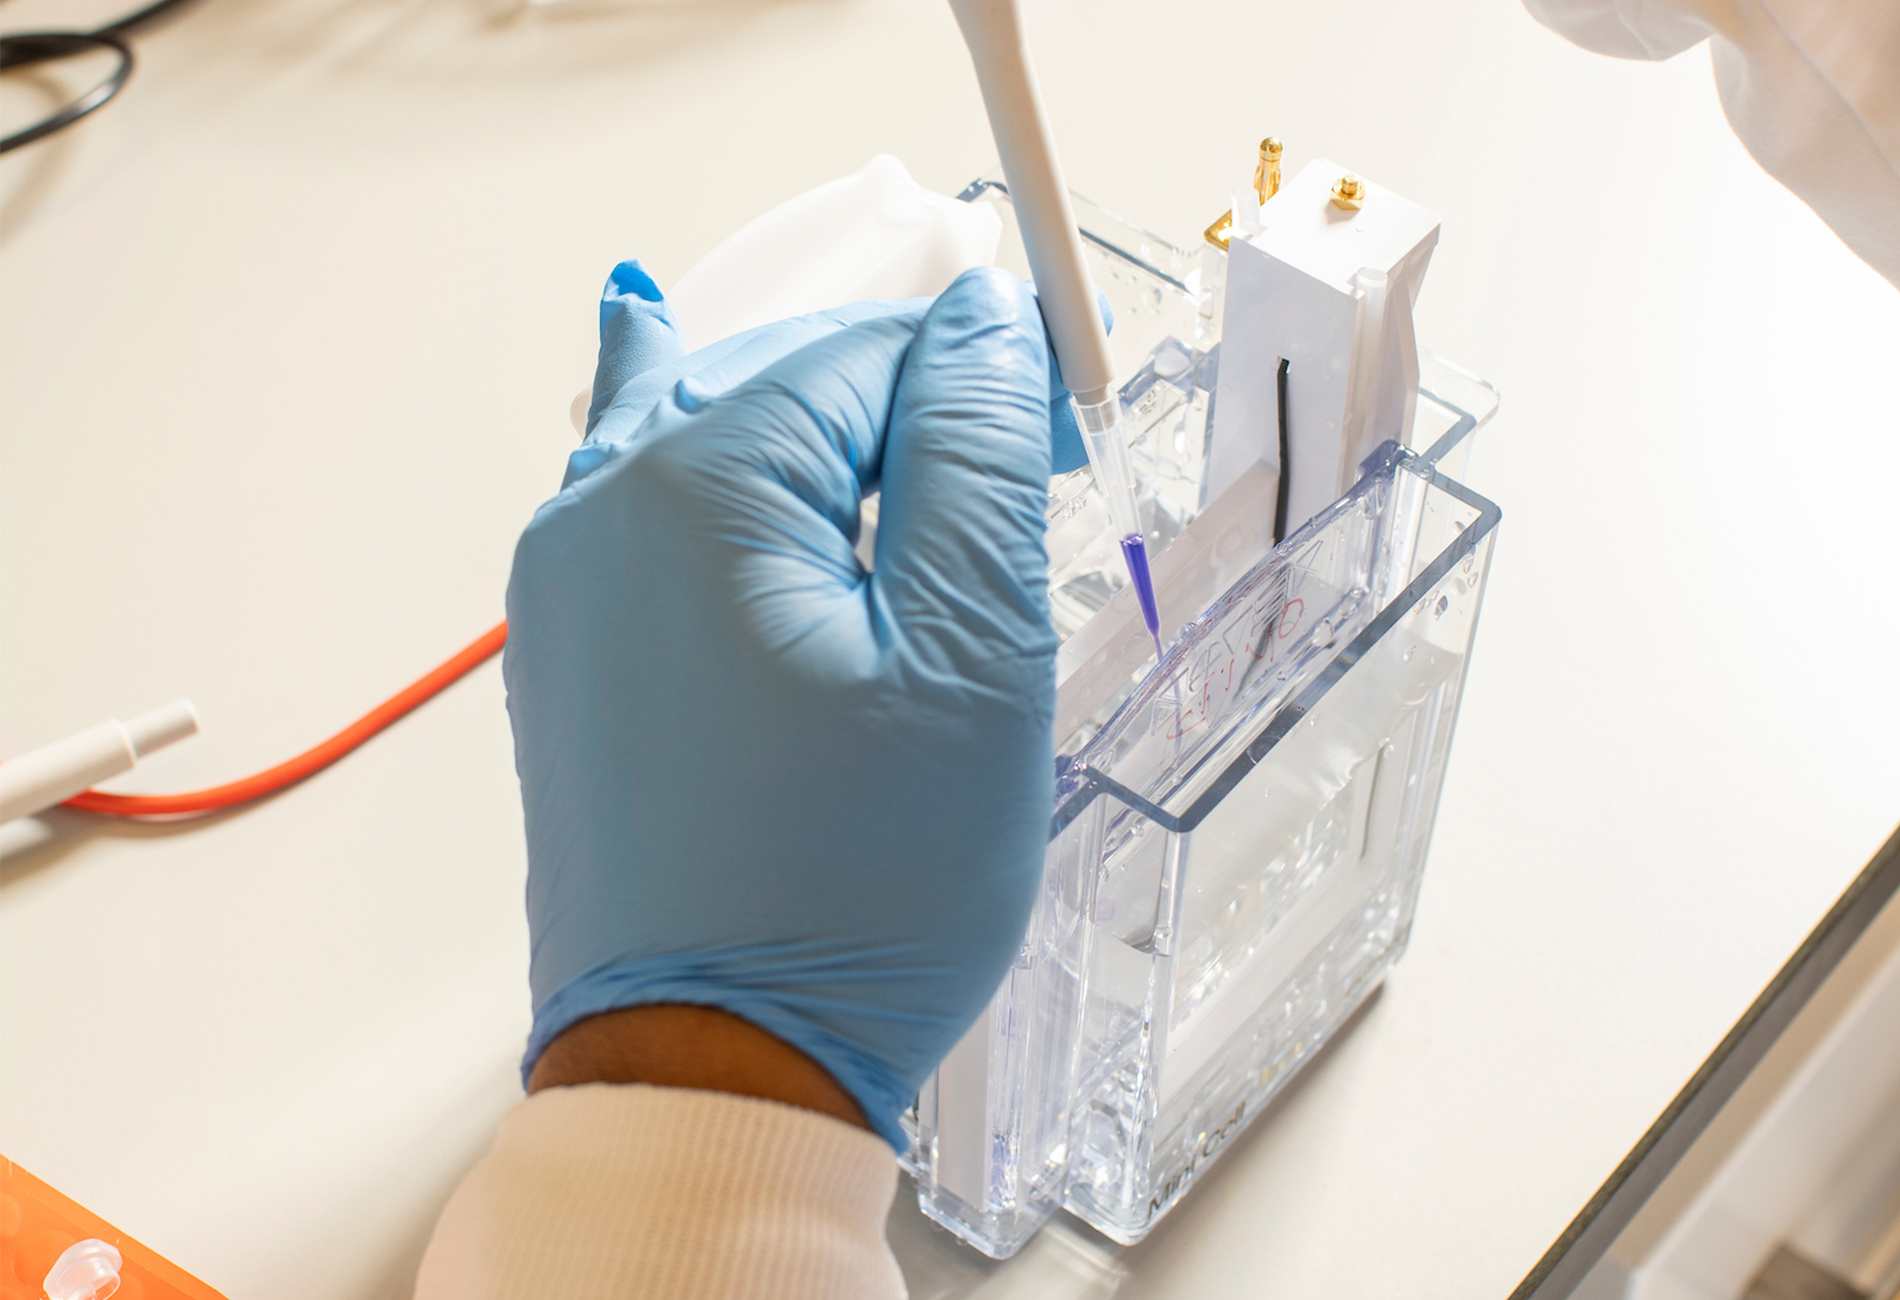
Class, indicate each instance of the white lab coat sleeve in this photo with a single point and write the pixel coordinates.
(1812, 87)
(627, 1190)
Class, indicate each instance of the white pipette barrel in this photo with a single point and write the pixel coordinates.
(993, 30)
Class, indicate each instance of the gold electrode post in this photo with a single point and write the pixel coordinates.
(1349, 192)
(1266, 183)
(1266, 176)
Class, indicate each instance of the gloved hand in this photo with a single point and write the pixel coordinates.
(641, 356)
(757, 777)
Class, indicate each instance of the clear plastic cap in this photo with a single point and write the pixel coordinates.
(87, 1270)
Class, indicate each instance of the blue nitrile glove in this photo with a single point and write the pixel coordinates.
(757, 777)
(641, 356)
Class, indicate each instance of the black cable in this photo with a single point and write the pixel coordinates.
(140, 19)
(25, 49)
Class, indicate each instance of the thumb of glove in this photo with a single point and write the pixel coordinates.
(637, 333)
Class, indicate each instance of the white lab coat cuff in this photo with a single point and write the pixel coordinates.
(629, 1190)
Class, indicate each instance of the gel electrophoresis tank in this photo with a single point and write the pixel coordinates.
(1238, 835)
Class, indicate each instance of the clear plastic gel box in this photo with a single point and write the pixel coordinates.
(1238, 836)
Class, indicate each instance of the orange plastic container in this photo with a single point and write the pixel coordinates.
(37, 1224)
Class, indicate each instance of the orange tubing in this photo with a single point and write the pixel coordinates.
(308, 763)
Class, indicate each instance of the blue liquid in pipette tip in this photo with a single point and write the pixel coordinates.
(1136, 554)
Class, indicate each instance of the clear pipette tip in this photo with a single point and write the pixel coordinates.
(1135, 552)
(1100, 423)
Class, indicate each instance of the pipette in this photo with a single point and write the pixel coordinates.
(993, 30)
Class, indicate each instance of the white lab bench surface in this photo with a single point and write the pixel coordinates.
(287, 338)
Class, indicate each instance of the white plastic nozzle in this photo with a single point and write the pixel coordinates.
(57, 772)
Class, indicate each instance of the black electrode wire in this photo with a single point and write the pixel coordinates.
(1286, 465)
(24, 49)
